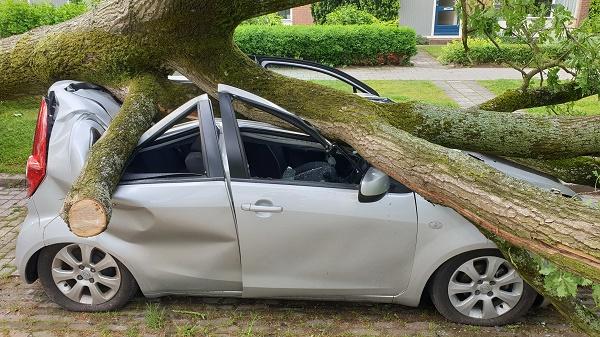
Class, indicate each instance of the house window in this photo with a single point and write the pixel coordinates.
(286, 15)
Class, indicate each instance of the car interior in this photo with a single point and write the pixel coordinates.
(271, 155)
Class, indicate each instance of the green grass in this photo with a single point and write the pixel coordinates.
(400, 91)
(587, 106)
(17, 125)
(434, 50)
(155, 316)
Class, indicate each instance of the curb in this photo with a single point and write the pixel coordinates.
(12, 180)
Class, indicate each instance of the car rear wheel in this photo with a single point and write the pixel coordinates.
(81, 277)
(481, 288)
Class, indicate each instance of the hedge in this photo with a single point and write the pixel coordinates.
(383, 10)
(18, 16)
(350, 15)
(482, 51)
(331, 44)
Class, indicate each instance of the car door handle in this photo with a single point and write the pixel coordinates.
(261, 208)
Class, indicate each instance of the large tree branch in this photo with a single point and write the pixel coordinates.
(513, 100)
(87, 207)
(554, 227)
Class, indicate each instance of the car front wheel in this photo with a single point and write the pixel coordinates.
(81, 277)
(481, 288)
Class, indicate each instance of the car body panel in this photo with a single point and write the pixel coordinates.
(324, 242)
(443, 234)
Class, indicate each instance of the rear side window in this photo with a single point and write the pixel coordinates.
(176, 153)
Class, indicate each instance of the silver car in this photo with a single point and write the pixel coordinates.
(235, 208)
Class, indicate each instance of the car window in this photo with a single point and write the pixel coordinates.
(311, 75)
(294, 157)
(175, 153)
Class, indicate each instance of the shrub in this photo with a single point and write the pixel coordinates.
(17, 16)
(594, 10)
(482, 51)
(383, 10)
(350, 15)
(333, 45)
(273, 19)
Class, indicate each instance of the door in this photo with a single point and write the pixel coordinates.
(312, 238)
(173, 211)
(446, 18)
(315, 72)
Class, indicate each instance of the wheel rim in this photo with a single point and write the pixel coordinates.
(86, 274)
(485, 287)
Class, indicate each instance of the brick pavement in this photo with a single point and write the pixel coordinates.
(12, 209)
(465, 93)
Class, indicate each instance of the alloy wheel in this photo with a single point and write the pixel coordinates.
(86, 274)
(485, 287)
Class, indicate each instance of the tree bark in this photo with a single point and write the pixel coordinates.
(152, 37)
(513, 100)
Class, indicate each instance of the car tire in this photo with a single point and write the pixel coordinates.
(113, 286)
(480, 299)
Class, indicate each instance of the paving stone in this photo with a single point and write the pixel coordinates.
(465, 93)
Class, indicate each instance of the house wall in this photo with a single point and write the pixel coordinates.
(582, 11)
(417, 14)
(302, 15)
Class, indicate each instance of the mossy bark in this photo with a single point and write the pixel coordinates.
(513, 100)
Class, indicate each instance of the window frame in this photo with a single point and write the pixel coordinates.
(211, 154)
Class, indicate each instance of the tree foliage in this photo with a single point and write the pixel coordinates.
(548, 34)
(18, 16)
(383, 10)
(350, 15)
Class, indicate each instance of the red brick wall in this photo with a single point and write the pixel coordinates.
(302, 16)
(583, 11)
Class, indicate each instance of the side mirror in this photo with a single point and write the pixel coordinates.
(373, 186)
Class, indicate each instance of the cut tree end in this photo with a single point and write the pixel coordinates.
(87, 218)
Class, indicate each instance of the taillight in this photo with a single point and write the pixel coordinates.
(36, 164)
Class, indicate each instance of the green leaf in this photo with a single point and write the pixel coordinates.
(561, 284)
(596, 294)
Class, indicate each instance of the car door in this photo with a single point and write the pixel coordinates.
(311, 239)
(179, 225)
(319, 73)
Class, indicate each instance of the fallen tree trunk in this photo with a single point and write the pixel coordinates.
(523, 215)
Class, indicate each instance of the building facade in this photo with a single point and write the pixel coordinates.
(298, 16)
(439, 18)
